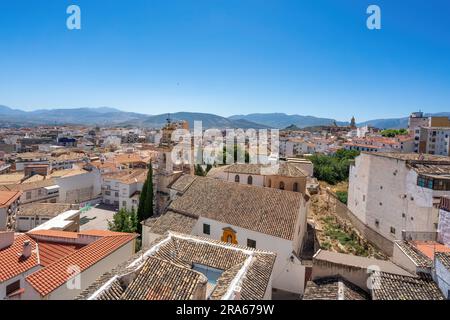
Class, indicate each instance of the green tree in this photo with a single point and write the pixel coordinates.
(333, 168)
(390, 133)
(342, 196)
(198, 171)
(124, 221)
(145, 207)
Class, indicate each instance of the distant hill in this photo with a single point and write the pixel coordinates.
(90, 116)
(208, 121)
(113, 117)
(397, 123)
(282, 120)
(292, 127)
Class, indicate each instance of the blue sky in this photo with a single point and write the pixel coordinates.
(228, 56)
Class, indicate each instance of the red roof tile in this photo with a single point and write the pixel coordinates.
(55, 275)
(50, 252)
(8, 197)
(429, 248)
(11, 261)
(102, 233)
(54, 233)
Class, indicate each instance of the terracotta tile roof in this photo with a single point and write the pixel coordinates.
(8, 197)
(183, 183)
(43, 209)
(11, 261)
(54, 275)
(421, 260)
(50, 252)
(333, 288)
(410, 156)
(171, 221)
(266, 210)
(429, 248)
(54, 233)
(396, 287)
(127, 176)
(287, 169)
(114, 292)
(171, 274)
(25, 186)
(102, 233)
(160, 279)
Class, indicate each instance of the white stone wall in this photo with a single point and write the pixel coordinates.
(442, 276)
(385, 190)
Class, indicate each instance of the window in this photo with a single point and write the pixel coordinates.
(364, 197)
(392, 230)
(236, 178)
(250, 180)
(251, 243)
(28, 195)
(116, 194)
(206, 228)
(13, 287)
(295, 187)
(124, 203)
(403, 215)
(281, 185)
(377, 223)
(108, 193)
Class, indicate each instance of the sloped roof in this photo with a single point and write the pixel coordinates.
(414, 254)
(164, 280)
(389, 286)
(171, 221)
(265, 210)
(169, 274)
(333, 288)
(11, 261)
(8, 197)
(55, 275)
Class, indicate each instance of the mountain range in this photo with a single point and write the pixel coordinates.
(106, 116)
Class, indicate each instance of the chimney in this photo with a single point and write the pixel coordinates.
(26, 249)
(6, 239)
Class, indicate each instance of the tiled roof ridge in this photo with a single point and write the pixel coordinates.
(416, 251)
(40, 286)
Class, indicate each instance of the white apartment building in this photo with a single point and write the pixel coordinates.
(417, 121)
(122, 188)
(435, 140)
(77, 185)
(9, 205)
(394, 193)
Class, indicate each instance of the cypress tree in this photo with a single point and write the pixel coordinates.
(148, 204)
(142, 196)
